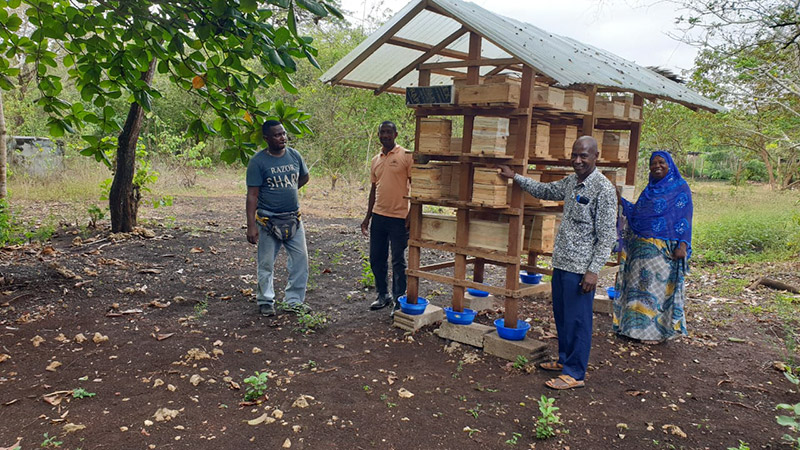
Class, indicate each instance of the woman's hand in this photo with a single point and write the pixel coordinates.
(680, 251)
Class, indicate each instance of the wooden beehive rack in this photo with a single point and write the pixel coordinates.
(522, 123)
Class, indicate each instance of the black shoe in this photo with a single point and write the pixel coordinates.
(395, 308)
(266, 310)
(381, 302)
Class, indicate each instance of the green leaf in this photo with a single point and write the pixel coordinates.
(229, 155)
(219, 7)
(13, 22)
(248, 6)
(314, 7)
(274, 58)
(786, 421)
(282, 36)
(13, 4)
(291, 22)
(311, 59)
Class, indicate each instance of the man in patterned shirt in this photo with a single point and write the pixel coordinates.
(582, 246)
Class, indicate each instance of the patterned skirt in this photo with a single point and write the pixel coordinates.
(652, 297)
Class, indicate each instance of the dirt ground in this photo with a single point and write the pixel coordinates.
(170, 322)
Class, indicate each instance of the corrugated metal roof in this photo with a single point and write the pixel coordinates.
(563, 59)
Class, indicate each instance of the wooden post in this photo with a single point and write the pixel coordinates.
(415, 216)
(465, 182)
(633, 150)
(588, 120)
(523, 133)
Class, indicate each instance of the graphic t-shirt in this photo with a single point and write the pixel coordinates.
(276, 178)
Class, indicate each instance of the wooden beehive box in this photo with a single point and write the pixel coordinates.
(490, 136)
(632, 111)
(604, 107)
(426, 181)
(598, 136)
(576, 101)
(434, 135)
(539, 143)
(485, 234)
(497, 94)
(531, 201)
(540, 233)
(455, 145)
(561, 139)
(489, 188)
(548, 97)
(616, 145)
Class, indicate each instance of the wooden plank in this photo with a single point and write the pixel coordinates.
(576, 101)
(548, 97)
(489, 255)
(461, 284)
(423, 47)
(587, 127)
(470, 62)
(445, 265)
(370, 86)
(388, 34)
(422, 58)
(487, 175)
(490, 136)
(633, 151)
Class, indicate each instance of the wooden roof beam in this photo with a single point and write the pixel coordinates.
(467, 63)
(371, 86)
(423, 47)
(372, 48)
(421, 59)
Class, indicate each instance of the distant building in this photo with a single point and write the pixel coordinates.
(36, 156)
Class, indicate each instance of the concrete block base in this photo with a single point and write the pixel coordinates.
(471, 334)
(480, 303)
(535, 351)
(432, 314)
(602, 304)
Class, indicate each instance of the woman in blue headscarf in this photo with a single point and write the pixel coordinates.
(655, 254)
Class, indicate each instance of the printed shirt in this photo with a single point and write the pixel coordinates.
(588, 231)
(277, 179)
(391, 174)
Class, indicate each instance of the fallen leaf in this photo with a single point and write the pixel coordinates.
(54, 398)
(4, 357)
(53, 366)
(196, 250)
(80, 338)
(151, 270)
(196, 354)
(158, 304)
(158, 382)
(90, 272)
(256, 350)
(162, 336)
(217, 343)
(165, 414)
(71, 427)
(61, 338)
(674, 429)
(258, 420)
(99, 338)
(391, 379)
(404, 393)
(13, 446)
(302, 401)
(278, 414)
(37, 340)
(287, 443)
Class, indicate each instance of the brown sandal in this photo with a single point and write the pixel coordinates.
(552, 366)
(564, 382)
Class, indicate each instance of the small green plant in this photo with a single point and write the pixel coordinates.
(367, 279)
(314, 270)
(520, 362)
(742, 446)
(200, 308)
(475, 412)
(82, 393)
(459, 368)
(514, 438)
(311, 364)
(50, 441)
(95, 215)
(792, 421)
(547, 418)
(336, 259)
(384, 397)
(256, 386)
(366, 388)
(391, 404)
(308, 322)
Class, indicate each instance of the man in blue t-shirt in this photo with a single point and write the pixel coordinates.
(273, 218)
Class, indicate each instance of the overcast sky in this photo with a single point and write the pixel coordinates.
(628, 28)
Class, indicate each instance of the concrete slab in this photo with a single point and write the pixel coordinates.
(602, 304)
(535, 351)
(481, 303)
(432, 314)
(471, 334)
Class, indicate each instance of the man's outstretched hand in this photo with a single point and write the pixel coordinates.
(506, 171)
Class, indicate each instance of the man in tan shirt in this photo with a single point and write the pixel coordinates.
(390, 174)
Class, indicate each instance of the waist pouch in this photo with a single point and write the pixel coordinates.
(280, 226)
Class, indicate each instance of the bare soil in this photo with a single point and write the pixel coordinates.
(178, 312)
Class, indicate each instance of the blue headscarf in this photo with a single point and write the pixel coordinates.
(664, 208)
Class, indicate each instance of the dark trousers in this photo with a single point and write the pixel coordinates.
(572, 310)
(386, 232)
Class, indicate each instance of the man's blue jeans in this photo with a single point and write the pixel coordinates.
(268, 248)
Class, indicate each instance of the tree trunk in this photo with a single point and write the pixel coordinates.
(765, 157)
(3, 151)
(123, 199)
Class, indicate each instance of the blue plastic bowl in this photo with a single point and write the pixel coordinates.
(512, 334)
(460, 318)
(413, 309)
(612, 293)
(530, 278)
(477, 292)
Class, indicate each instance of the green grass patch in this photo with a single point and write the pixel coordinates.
(745, 224)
